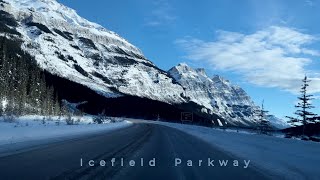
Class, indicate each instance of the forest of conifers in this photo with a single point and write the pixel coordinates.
(23, 89)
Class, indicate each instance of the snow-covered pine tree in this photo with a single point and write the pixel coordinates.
(50, 101)
(3, 74)
(11, 90)
(43, 96)
(22, 80)
(304, 116)
(57, 107)
(2, 80)
(1, 107)
(35, 91)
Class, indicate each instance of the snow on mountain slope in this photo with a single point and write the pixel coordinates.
(69, 46)
(277, 122)
(218, 95)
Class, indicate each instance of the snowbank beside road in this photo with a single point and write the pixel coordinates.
(30, 131)
(288, 158)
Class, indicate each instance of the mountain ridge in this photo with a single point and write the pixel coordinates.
(219, 96)
(92, 55)
(71, 47)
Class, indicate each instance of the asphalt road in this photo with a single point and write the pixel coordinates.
(142, 140)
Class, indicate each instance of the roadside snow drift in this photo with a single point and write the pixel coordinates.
(30, 131)
(288, 158)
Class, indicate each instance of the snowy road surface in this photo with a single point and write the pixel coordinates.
(149, 151)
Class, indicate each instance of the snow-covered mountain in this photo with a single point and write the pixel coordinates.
(218, 96)
(277, 122)
(70, 47)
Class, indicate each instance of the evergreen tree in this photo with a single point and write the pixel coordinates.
(11, 90)
(3, 74)
(57, 107)
(264, 122)
(35, 91)
(304, 116)
(1, 107)
(2, 78)
(50, 100)
(22, 80)
(43, 96)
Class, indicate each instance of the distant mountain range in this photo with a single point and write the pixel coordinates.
(86, 62)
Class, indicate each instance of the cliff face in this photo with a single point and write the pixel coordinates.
(216, 94)
(86, 62)
(71, 47)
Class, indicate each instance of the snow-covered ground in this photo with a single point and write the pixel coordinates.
(30, 131)
(289, 158)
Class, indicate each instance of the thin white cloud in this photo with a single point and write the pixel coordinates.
(162, 14)
(309, 2)
(273, 57)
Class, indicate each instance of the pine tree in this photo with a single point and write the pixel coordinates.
(3, 74)
(43, 96)
(22, 80)
(50, 100)
(264, 124)
(11, 89)
(57, 108)
(35, 90)
(2, 80)
(304, 116)
(1, 107)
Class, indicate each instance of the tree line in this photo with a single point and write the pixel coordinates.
(305, 118)
(23, 88)
(304, 123)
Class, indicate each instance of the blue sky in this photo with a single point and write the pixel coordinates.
(263, 46)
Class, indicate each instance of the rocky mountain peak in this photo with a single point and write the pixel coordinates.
(72, 48)
(217, 94)
(220, 79)
(201, 71)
